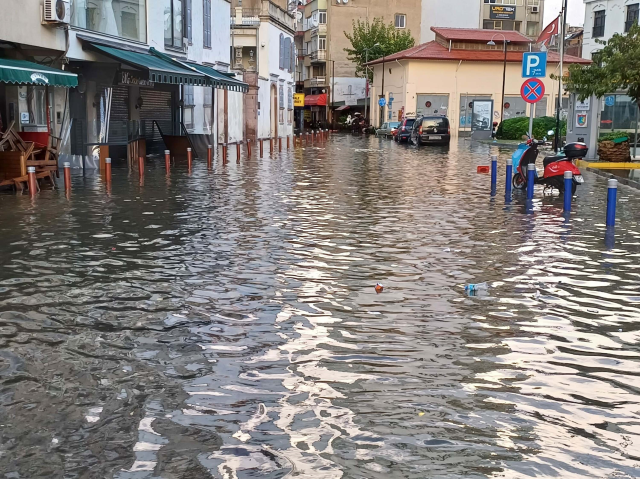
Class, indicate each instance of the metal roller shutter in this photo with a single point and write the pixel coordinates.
(119, 115)
(156, 105)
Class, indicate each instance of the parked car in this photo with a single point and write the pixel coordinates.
(431, 130)
(386, 130)
(404, 130)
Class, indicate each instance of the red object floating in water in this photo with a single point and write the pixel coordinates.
(379, 288)
(483, 169)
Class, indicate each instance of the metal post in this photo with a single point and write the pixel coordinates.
(249, 147)
(32, 181)
(67, 176)
(270, 145)
(107, 170)
(568, 189)
(209, 157)
(288, 139)
(224, 153)
(531, 177)
(140, 166)
(612, 193)
(494, 172)
(279, 143)
(508, 178)
(189, 158)
(238, 152)
(167, 160)
(261, 148)
(504, 79)
(532, 108)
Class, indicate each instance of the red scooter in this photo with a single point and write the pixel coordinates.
(554, 166)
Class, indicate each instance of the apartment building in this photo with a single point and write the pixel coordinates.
(264, 53)
(523, 16)
(329, 77)
(604, 18)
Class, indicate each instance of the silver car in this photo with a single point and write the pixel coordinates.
(387, 129)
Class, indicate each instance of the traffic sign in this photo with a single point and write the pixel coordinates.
(534, 65)
(382, 102)
(532, 90)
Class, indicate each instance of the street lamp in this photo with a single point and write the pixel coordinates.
(366, 70)
(504, 69)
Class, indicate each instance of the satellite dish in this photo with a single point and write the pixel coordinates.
(345, 1)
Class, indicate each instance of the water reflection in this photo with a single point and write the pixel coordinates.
(225, 324)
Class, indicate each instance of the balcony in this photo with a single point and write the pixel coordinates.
(319, 30)
(251, 16)
(315, 82)
(246, 17)
(318, 56)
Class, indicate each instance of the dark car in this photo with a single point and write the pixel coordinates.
(431, 130)
(404, 130)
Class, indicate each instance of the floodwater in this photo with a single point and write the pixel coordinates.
(225, 324)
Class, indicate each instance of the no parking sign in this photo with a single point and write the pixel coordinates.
(532, 90)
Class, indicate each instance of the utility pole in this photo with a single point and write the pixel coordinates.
(333, 95)
(558, 139)
(383, 95)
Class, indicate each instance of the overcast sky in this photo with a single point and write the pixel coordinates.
(575, 11)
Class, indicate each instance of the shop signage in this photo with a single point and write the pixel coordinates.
(502, 12)
(583, 105)
(126, 78)
(351, 101)
(39, 77)
(298, 100)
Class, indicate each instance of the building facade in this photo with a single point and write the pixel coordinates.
(439, 13)
(264, 53)
(445, 76)
(523, 16)
(604, 18)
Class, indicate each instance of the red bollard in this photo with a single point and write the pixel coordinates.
(238, 152)
(67, 175)
(209, 157)
(224, 153)
(141, 166)
(249, 148)
(288, 142)
(167, 160)
(261, 150)
(270, 145)
(107, 170)
(32, 181)
(189, 158)
(280, 143)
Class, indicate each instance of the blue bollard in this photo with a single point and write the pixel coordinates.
(612, 193)
(568, 188)
(494, 172)
(507, 184)
(531, 178)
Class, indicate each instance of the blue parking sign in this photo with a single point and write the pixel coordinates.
(534, 65)
(382, 102)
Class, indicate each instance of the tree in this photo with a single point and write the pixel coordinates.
(365, 35)
(615, 67)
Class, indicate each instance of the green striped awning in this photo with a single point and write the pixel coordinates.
(29, 73)
(160, 70)
(216, 78)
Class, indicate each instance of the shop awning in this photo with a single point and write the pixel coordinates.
(216, 78)
(24, 72)
(316, 100)
(160, 70)
(343, 107)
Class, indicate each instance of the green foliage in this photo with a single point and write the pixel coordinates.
(613, 136)
(514, 128)
(615, 67)
(366, 35)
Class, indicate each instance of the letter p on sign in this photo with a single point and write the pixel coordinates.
(534, 65)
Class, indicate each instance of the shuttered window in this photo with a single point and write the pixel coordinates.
(189, 22)
(281, 51)
(287, 53)
(207, 24)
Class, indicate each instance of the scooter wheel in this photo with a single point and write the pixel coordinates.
(518, 181)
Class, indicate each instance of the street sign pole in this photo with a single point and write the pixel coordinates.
(532, 107)
(532, 91)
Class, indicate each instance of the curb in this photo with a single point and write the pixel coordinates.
(624, 181)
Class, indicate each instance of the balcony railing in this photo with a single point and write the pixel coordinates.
(315, 82)
(245, 16)
(319, 30)
(319, 56)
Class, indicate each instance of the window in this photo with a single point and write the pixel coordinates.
(492, 24)
(501, 2)
(322, 18)
(322, 43)
(401, 20)
(189, 104)
(598, 24)
(36, 104)
(533, 3)
(105, 17)
(187, 22)
(281, 52)
(632, 16)
(206, 34)
(281, 97)
(173, 23)
(533, 29)
(287, 54)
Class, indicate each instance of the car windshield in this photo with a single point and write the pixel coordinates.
(410, 122)
(438, 122)
(394, 124)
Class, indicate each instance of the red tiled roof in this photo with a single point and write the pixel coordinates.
(480, 35)
(434, 51)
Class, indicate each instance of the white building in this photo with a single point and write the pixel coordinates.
(265, 54)
(443, 13)
(604, 18)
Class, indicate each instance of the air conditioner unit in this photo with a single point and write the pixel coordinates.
(57, 11)
(535, 9)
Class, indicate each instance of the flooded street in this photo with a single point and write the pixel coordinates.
(225, 324)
